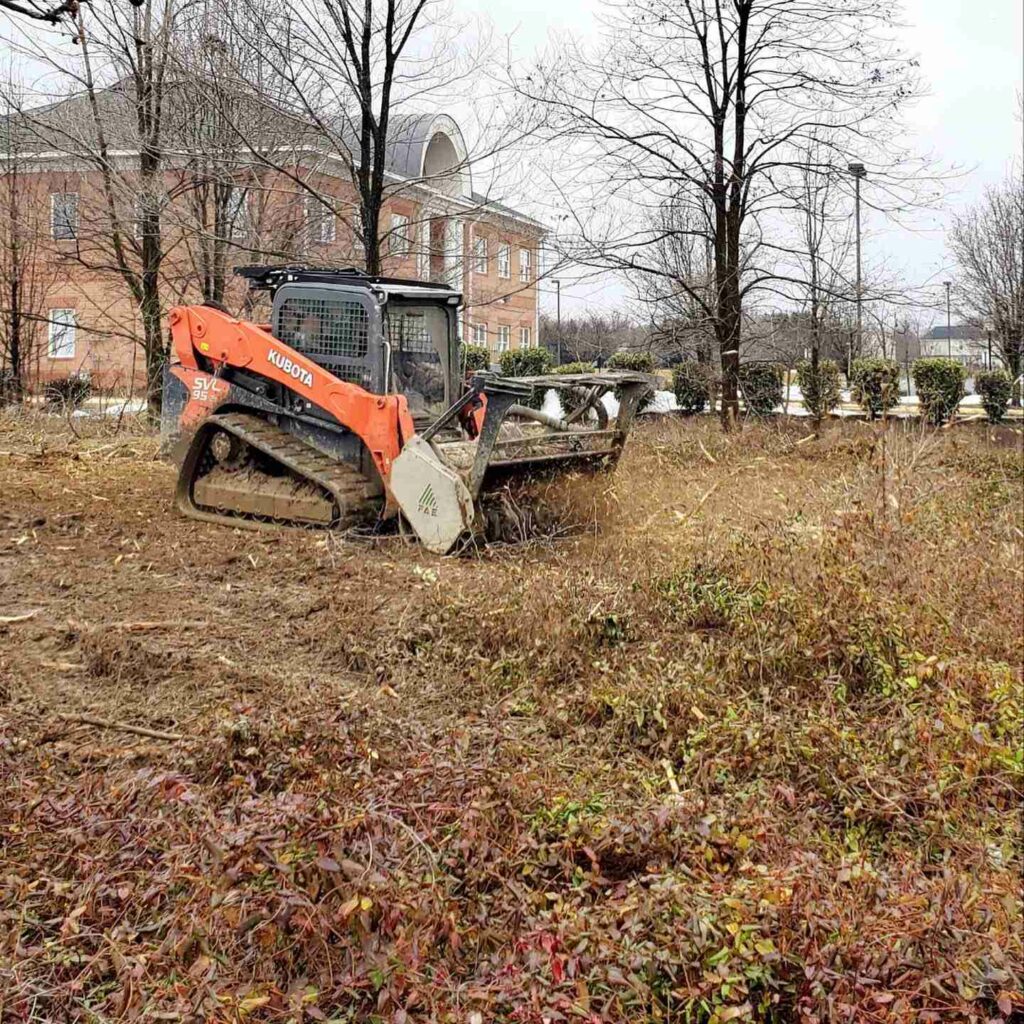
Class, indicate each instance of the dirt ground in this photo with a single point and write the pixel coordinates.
(743, 744)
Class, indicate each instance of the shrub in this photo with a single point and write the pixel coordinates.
(572, 398)
(639, 362)
(474, 358)
(875, 384)
(761, 382)
(691, 382)
(526, 362)
(940, 386)
(996, 390)
(578, 367)
(68, 392)
(821, 389)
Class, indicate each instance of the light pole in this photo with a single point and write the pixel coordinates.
(558, 314)
(949, 329)
(858, 171)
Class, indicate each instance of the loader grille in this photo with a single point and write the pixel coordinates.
(332, 328)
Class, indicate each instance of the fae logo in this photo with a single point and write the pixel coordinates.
(285, 365)
(427, 504)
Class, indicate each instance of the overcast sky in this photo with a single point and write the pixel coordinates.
(972, 59)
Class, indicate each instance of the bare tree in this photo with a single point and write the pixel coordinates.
(25, 270)
(987, 242)
(52, 14)
(112, 127)
(707, 103)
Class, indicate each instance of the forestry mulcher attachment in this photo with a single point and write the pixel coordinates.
(351, 402)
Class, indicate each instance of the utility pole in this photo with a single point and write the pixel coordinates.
(858, 171)
(949, 328)
(558, 316)
(990, 348)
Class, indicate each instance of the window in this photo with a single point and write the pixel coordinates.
(238, 213)
(479, 334)
(64, 214)
(524, 337)
(505, 261)
(480, 254)
(321, 224)
(504, 337)
(401, 238)
(62, 334)
(525, 264)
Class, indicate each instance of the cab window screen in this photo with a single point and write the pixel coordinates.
(418, 337)
(337, 328)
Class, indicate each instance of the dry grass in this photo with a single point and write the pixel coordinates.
(747, 745)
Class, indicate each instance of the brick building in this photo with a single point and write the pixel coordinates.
(303, 209)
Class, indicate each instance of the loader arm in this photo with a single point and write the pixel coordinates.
(382, 422)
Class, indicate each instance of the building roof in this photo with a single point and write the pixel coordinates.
(961, 332)
(423, 149)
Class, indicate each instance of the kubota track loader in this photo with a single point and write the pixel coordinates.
(351, 401)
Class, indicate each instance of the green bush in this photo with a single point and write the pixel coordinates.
(572, 398)
(68, 392)
(761, 382)
(474, 358)
(821, 389)
(691, 382)
(574, 368)
(639, 362)
(526, 362)
(996, 390)
(940, 386)
(875, 384)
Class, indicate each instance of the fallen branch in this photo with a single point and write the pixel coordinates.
(138, 730)
(7, 620)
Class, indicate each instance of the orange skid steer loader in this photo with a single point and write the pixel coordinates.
(352, 402)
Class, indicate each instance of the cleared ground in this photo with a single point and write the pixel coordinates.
(745, 745)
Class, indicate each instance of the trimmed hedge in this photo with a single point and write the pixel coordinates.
(940, 387)
(996, 390)
(875, 384)
(474, 358)
(639, 362)
(526, 362)
(762, 385)
(691, 382)
(820, 390)
(574, 368)
(572, 398)
(68, 392)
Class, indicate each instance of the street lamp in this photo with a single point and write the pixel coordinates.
(949, 329)
(858, 171)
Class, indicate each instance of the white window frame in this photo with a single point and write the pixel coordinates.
(321, 223)
(505, 260)
(504, 337)
(524, 337)
(479, 254)
(61, 338)
(480, 334)
(69, 223)
(525, 265)
(402, 236)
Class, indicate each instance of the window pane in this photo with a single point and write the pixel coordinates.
(64, 214)
(62, 334)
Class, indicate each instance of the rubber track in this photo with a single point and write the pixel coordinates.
(351, 491)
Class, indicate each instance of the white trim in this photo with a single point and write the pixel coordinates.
(525, 335)
(72, 222)
(504, 338)
(480, 257)
(60, 342)
(504, 265)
